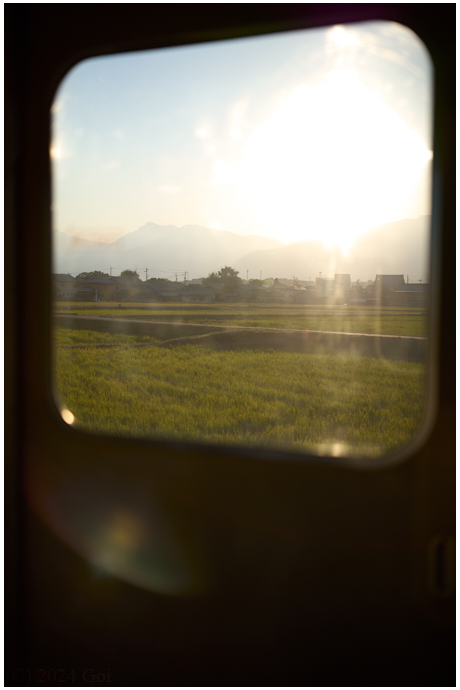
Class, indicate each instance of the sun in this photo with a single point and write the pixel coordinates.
(332, 161)
(55, 151)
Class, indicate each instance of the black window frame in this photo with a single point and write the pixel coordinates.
(42, 42)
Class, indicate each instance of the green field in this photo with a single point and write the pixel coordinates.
(321, 403)
(352, 319)
(71, 337)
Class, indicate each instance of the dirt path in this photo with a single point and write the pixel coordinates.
(407, 348)
(233, 327)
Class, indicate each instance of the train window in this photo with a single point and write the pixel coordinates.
(241, 242)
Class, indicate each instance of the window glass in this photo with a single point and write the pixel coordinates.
(241, 241)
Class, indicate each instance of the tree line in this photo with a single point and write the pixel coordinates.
(227, 276)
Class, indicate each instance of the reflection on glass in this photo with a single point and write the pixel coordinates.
(241, 239)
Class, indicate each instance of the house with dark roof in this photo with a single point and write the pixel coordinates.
(233, 295)
(249, 292)
(217, 287)
(197, 293)
(167, 291)
(278, 293)
(85, 293)
(131, 289)
(103, 288)
(65, 287)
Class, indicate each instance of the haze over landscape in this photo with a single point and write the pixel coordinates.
(169, 252)
(296, 153)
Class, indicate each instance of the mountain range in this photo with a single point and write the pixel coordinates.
(399, 247)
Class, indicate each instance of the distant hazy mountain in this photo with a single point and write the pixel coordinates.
(394, 248)
(400, 247)
(160, 248)
(65, 246)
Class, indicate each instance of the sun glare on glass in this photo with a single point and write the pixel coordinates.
(241, 235)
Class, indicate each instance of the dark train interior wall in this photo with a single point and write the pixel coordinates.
(308, 573)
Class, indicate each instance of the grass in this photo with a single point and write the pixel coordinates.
(343, 318)
(319, 403)
(72, 337)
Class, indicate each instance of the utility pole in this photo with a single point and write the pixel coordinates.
(247, 273)
(146, 273)
(176, 276)
(320, 274)
(110, 271)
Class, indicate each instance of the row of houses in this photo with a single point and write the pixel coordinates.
(126, 289)
(391, 290)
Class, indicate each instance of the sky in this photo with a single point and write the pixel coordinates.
(314, 134)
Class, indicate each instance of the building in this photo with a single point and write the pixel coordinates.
(383, 285)
(65, 287)
(342, 281)
(410, 295)
(130, 289)
(197, 293)
(103, 289)
(304, 295)
(325, 287)
(166, 291)
(388, 282)
(250, 292)
(342, 286)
